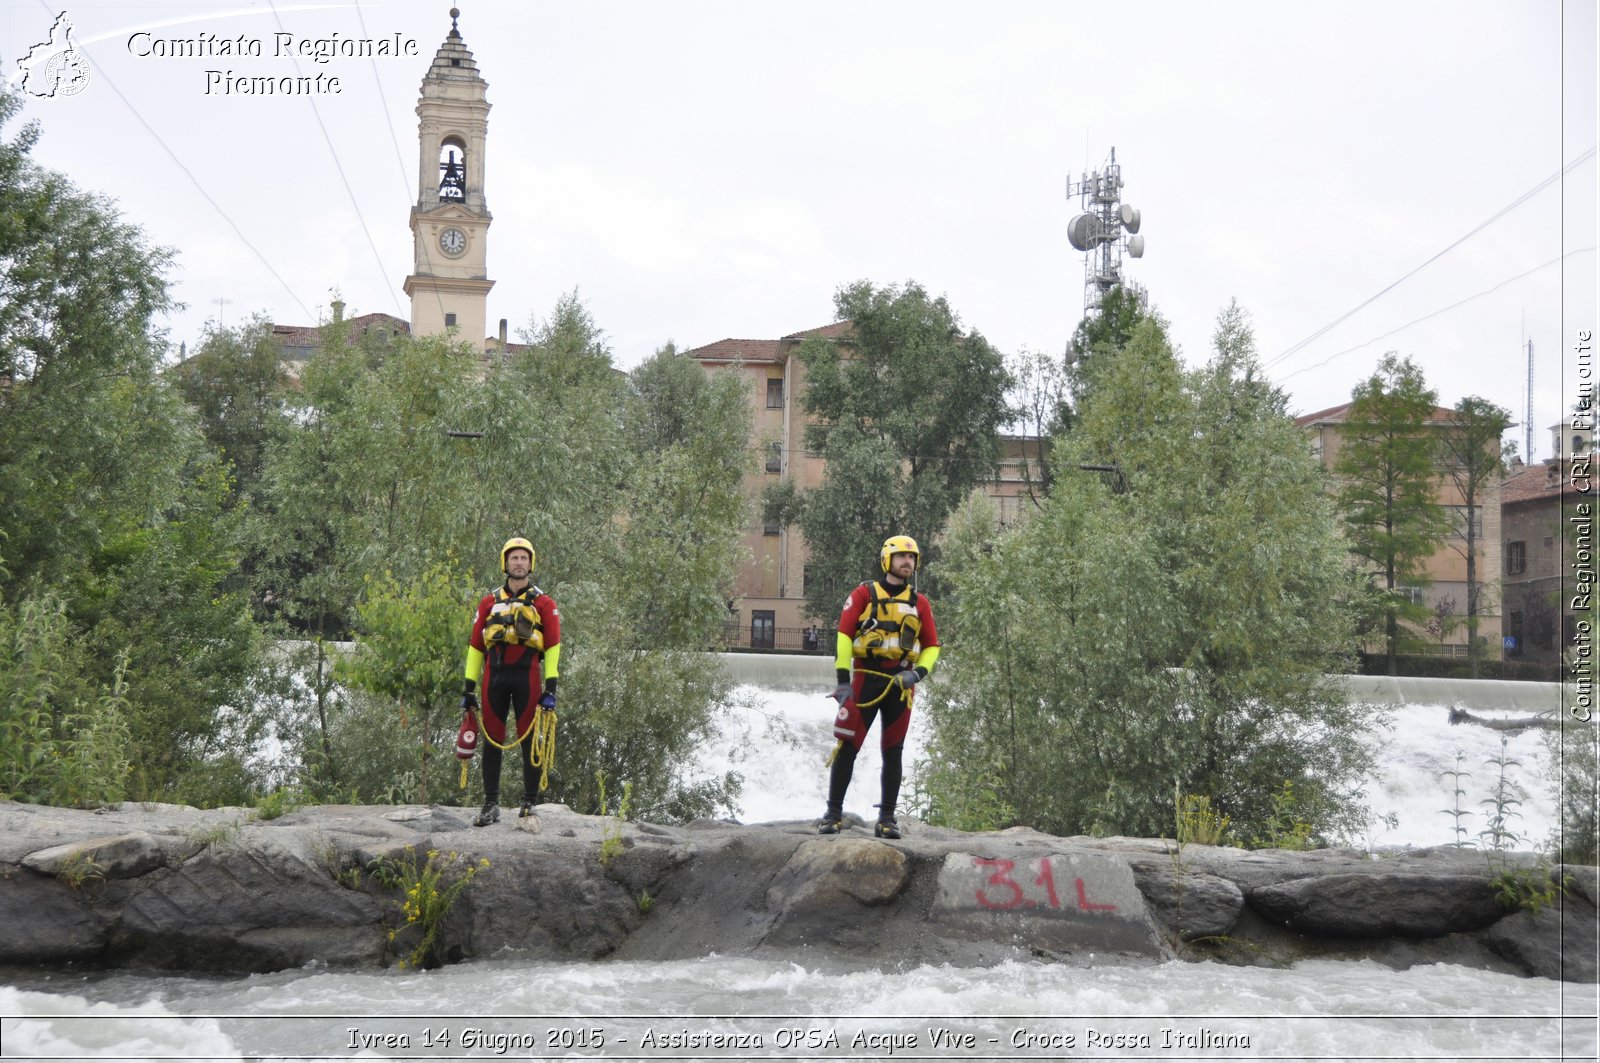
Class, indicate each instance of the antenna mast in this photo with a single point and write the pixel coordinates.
(1527, 419)
(1105, 228)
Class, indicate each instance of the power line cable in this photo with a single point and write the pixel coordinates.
(100, 74)
(1541, 186)
(388, 119)
(337, 165)
(1441, 310)
(394, 142)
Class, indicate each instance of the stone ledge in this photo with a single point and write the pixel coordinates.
(217, 891)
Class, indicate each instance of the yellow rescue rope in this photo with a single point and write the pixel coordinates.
(541, 751)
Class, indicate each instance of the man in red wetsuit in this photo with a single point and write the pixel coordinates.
(886, 629)
(515, 645)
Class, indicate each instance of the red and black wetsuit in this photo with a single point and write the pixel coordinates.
(872, 684)
(513, 677)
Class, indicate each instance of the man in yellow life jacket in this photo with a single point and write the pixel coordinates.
(515, 643)
(886, 630)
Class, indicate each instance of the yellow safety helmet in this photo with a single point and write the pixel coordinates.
(518, 543)
(899, 544)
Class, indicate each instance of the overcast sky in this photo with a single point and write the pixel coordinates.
(700, 170)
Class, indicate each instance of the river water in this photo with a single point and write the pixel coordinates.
(736, 1008)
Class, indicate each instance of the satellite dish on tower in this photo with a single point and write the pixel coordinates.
(1081, 231)
(1130, 217)
(1136, 247)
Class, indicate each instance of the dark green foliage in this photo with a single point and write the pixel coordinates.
(1119, 648)
(1387, 489)
(114, 513)
(1573, 771)
(1474, 458)
(628, 486)
(234, 383)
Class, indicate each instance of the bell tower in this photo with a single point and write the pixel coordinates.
(449, 283)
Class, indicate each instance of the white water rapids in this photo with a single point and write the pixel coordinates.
(735, 1008)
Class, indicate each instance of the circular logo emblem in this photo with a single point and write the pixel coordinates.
(67, 73)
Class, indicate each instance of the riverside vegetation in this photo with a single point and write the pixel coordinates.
(274, 563)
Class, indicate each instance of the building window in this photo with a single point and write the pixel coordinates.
(769, 527)
(774, 457)
(763, 628)
(1410, 594)
(774, 392)
(1516, 558)
(1458, 521)
(805, 580)
(449, 319)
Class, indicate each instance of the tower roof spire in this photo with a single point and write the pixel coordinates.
(453, 59)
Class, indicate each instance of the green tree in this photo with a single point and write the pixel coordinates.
(80, 286)
(1176, 635)
(110, 500)
(62, 741)
(642, 696)
(406, 629)
(907, 415)
(628, 486)
(1474, 458)
(235, 383)
(1042, 387)
(1107, 330)
(1388, 487)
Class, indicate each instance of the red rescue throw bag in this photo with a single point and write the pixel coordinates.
(467, 737)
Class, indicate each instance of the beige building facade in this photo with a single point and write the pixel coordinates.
(769, 610)
(1445, 592)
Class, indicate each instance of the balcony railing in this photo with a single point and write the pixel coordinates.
(737, 636)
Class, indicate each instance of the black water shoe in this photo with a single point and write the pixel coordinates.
(489, 814)
(886, 828)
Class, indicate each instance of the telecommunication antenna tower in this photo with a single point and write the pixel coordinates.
(1527, 418)
(1105, 229)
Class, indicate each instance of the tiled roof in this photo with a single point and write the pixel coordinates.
(739, 351)
(839, 330)
(310, 336)
(1546, 481)
(1341, 414)
(771, 351)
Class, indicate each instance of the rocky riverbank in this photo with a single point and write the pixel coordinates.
(168, 887)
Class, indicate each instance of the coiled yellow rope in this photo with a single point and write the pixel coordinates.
(541, 751)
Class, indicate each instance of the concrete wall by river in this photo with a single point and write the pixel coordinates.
(795, 671)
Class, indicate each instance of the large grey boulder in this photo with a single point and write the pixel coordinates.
(1189, 904)
(241, 909)
(1061, 902)
(1378, 906)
